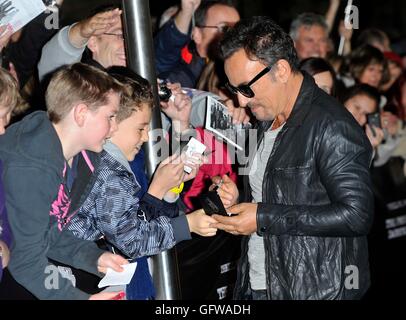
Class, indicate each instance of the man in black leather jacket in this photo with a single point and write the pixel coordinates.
(307, 204)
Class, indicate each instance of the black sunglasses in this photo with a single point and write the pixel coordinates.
(245, 89)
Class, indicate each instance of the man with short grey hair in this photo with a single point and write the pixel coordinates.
(309, 32)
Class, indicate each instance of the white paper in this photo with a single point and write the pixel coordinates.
(113, 278)
(17, 13)
(220, 122)
(193, 146)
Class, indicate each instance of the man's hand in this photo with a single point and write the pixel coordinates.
(178, 108)
(376, 139)
(94, 26)
(390, 122)
(190, 5)
(226, 189)
(110, 260)
(194, 162)
(244, 223)
(184, 16)
(239, 114)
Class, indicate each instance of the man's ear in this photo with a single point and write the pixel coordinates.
(93, 45)
(283, 71)
(197, 35)
(80, 112)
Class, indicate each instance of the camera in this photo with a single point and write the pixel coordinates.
(164, 92)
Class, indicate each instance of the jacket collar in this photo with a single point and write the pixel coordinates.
(301, 107)
(117, 154)
(303, 102)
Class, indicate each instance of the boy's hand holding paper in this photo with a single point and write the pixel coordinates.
(114, 278)
(194, 147)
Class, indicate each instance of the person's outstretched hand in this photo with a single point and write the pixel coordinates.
(112, 261)
(201, 223)
(226, 189)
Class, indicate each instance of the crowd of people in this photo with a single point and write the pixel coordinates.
(74, 117)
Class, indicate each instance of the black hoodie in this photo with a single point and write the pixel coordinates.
(33, 173)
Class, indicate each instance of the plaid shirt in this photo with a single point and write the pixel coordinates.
(137, 227)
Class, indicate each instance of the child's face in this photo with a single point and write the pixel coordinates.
(101, 123)
(360, 106)
(5, 114)
(133, 132)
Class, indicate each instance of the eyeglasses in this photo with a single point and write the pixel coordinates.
(221, 29)
(245, 89)
(119, 36)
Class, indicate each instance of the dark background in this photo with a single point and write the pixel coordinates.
(388, 15)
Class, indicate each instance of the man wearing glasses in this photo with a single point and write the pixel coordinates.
(307, 204)
(99, 39)
(177, 57)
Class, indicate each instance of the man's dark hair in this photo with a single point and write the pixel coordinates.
(263, 40)
(315, 66)
(201, 12)
(358, 90)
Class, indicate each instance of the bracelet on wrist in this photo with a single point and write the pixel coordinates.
(179, 189)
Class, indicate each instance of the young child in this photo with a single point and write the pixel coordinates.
(136, 226)
(9, 99)
(37, 155)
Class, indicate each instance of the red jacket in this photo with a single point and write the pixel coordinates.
(219, 163)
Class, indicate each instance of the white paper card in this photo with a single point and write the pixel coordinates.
(193, 146)
(220, 122)
(113, 278)
(17, 13)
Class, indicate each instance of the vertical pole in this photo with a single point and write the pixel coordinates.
(140, 58)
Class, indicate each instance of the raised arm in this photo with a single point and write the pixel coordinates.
(68, 45)
(332, 13)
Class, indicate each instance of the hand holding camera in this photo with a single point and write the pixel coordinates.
(373, 129)
(176, 104)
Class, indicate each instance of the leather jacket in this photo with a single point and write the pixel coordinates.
(317, 204)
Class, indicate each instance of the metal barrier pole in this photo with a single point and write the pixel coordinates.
(140, 58)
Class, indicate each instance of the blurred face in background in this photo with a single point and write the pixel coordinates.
(324, 81)
(108, 49)
(218, 18)
(372, 75)
(312, 41)
(360, 106)
(395, 71)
